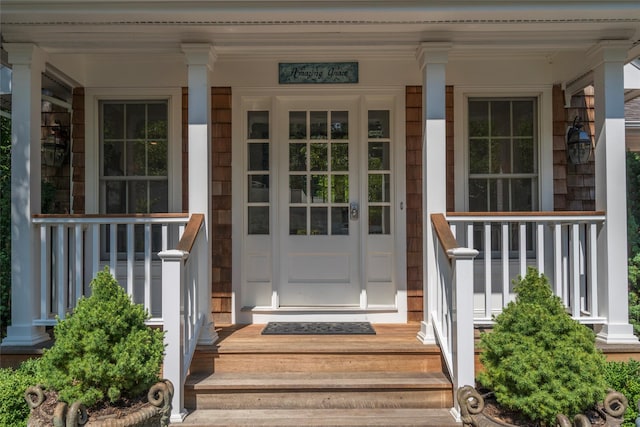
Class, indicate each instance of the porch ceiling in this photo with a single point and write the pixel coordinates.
(244, 26)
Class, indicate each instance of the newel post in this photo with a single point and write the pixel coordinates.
(172, 287)
(462, 345)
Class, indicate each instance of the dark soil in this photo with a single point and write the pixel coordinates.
(43, 414)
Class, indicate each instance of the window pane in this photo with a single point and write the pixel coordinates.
(297, 221)
(136, 121)
(113, 159)
(478, 195)
(523, 156)
(258, 122)
(157, 160)
(379, 188)
(523, 117)
(339, 124)
(339, 156)
(479, 156)
(378, 124)
(379, 157)
(318, 124)
(115, 195)
(258, 218)
(379, 220)
(340, 188)
(137, 196)
(499, 191)
(159, 196)
(297, 189)
(478, 118)
(501, 156)
(340, 221)
(500, 118)
(113, 121)
(522, 194)
(319, 157)
(297, 125)
(136, 158)
(157, 121)
(319, 188)
(319, 221)
(258, 188)
(258, 156)
(297, 157)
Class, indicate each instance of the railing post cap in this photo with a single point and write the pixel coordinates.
(462, 253)
(173, 254)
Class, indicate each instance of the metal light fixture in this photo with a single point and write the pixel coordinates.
(578, 143)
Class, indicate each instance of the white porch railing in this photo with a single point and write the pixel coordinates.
(73, 248)
(562, 245)
(182, 269)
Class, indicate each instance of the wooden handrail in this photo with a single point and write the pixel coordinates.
(443, 231)
(520, 213)
(97, 216)
(190, 233)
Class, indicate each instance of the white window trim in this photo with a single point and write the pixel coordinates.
(545, 140)
(93, 96)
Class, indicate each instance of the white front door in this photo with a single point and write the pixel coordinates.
(320, 224)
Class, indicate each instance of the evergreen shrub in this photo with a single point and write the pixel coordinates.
(14, 410)
(625, 378)
(103, 350)
(537, 359)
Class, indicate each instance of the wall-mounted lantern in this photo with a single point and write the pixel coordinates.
(578, 143)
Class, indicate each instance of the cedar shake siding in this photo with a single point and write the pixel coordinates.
(77, 151)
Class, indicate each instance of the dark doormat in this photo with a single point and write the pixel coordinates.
(318, 328)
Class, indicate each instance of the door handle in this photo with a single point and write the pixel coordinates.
(354, 211)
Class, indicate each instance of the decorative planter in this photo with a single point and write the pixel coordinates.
(611, 411)
(155, 413)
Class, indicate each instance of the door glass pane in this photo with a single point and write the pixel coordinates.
(340, 188)
(379, 188)
(339, 156)
(297, 157)
(258, 217)
(318, 126)
(319, 157)
(258, 123)
(379, 220)
(297, 125)
(339, 221)
(258, 156)
(297, 221)
(258, 188)
(298, 189)
(379, 155)
(339, 125)
(319, 188)
(319, 223)
(378, 124)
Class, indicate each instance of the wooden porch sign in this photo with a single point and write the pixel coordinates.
(317, 72)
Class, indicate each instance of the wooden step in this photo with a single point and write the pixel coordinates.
(322, 417)
(318, 390)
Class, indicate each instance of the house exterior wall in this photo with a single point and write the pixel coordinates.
(78, 151)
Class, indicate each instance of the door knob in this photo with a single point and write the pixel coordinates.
(354, 210)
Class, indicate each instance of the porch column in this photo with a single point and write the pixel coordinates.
(28, 63)
(611, 190)
(200, 58)
(432, 58)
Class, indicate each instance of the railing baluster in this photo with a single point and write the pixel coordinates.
(61, 263)
(147, 267)
(95, 249)
(523, 248)
(575, 270)
(131, 252)
(78, 270)
(45, 271)
(505, 263)
(592, 277)
(113, 241)
(557, 244)
(540, 247)
(165, 236)
(487, 270)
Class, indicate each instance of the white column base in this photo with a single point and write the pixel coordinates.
(178, 417)
(617, 334)
(25, 336)
(208, 334)
(426, 334)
